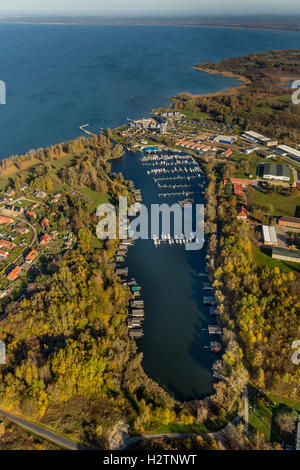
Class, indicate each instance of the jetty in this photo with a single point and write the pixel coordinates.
(136, 333)
(137, 313)
(207, 286)
(215, 347)
(137, 303)
(121, 271)
(214, 330)
(83, 129)
(213, 312)
(134, 322)
(209, 301)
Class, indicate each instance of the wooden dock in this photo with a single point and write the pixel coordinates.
(209, 301)
(215, 347)
(214, 330)
(213, 312)
(137, 313)
(136, 333)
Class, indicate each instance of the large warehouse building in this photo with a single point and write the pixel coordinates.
(261, 139)
(286, 254)
(276, 171)
(288, 151)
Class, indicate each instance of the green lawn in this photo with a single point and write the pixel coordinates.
(262, 259)
(271, 104)
(282, 205)
(94, 196)
(200, 116)
(261, 419)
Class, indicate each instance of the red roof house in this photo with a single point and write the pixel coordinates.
(242, 214)
(45, 239)
(45, 223)
(31, 256)
(12, 276)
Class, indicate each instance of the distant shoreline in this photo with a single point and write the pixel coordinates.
(277, 26)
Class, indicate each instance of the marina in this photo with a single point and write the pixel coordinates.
(164, 279)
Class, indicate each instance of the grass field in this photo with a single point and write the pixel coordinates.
(271, 104)
(262, 259)
(261, 419)
(27, 166)
(282, 205)
(97, 198)
(207, 427)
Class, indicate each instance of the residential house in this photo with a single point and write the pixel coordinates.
(14, 274)
(45, 239)
(6, 220)
(242, 214)
(31, 256)
(4, 254)
(6, 244)
(45, 223)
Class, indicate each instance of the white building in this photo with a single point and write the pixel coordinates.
(261, 139)
(276, 171)
(269, 235)
(289, 151)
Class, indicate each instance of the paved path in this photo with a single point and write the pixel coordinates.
(246, 414)
(219, 436)
(42, 432)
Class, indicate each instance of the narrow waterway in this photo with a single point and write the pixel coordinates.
(175, 339)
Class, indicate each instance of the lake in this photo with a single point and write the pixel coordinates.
(59, 77)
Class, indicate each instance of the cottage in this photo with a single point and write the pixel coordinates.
(242, 214)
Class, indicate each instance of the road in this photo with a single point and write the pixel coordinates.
(246, 414)
(42, 432)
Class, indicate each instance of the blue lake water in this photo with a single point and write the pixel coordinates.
(60, 77)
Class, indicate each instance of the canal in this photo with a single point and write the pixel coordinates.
(175, 341)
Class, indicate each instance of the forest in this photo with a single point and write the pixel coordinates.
(262, 103)
(259, 305)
